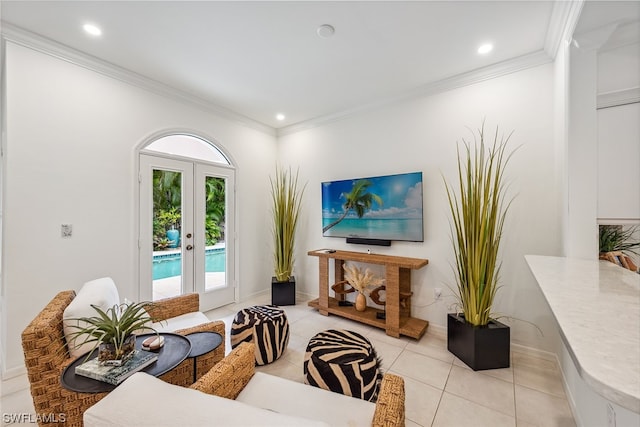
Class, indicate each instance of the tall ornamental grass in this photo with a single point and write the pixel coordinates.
(479, 212)
(286, 198)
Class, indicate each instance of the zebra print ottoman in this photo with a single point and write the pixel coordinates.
(264, 325)
(344, 362)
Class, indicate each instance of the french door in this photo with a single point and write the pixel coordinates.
(186, 241)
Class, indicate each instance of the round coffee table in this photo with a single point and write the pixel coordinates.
(201, 344)
(175, 350)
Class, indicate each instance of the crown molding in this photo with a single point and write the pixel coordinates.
(625, 34)
(618, 97)
(594, 39)
(562, 24)
(460, 80)
(57, 50)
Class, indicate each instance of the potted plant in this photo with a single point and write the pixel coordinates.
(286, 197)
(171, 221)
(361, 281)
(615, 241)
(478, 211)
(112, 331)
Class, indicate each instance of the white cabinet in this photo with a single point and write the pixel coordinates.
(619, 163)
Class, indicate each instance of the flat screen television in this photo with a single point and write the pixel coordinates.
(380, 208)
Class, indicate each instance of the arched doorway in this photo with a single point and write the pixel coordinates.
(186, 220)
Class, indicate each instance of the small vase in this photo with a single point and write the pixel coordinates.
(361, 302)
(108, 354)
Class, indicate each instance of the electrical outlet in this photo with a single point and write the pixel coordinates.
(437, 293)
(66, 230)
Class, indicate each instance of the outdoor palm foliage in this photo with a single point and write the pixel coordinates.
(167, 206)
(479, 212)
(286, 198)
(359, 200)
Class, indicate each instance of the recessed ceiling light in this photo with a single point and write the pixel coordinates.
(325, 31)
(92, 29)
(280, 117)
(485, 48)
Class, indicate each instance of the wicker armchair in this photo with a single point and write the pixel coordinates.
(233, 373)
(46, 355)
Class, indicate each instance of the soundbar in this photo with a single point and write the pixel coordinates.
(372, 242)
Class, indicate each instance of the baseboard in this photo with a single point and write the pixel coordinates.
(540, 354)
(437, 331)
(304, 296)
(255, 295)
(13, 372)
(14, 380)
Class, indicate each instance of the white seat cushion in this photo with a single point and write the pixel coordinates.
(101, 293)
(143, 400)
(181, 322)
(298, 399)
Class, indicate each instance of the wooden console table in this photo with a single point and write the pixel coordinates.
(397, 279)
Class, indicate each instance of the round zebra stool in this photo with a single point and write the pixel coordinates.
(344, 362)
(264, 325)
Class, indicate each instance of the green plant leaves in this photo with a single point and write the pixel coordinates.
(478, 213)
(114, 324)
(286, 198)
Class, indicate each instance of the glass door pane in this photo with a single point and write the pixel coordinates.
(166, 221)
(214, 244)
(215, 254)
(167, 227)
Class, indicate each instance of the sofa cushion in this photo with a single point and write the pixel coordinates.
(143, 400)
(100, 292)
(183, 321)
(297, 399)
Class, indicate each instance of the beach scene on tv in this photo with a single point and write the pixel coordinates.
(384, 207)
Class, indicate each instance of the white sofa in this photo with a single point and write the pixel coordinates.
(143, 400)
(260, 400)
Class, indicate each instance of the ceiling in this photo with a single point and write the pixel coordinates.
(261, 58)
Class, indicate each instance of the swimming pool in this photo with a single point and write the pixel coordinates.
(170, 265)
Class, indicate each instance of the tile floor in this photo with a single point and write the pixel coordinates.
(440, 389)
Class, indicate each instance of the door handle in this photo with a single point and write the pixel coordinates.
(189, 247)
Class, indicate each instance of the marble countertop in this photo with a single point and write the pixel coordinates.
(597, 306)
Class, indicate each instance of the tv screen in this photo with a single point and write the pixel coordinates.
(382, 207)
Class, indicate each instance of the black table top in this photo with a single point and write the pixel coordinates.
(176, 348)
(203, 342)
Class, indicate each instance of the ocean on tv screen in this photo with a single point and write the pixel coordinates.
(385, 207)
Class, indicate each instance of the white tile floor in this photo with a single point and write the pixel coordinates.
(440, 389)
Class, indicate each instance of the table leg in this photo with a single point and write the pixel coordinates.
(195, 369)
(323, 294)
(392, 305)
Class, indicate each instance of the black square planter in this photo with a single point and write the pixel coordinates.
(480, 347)
(283, 293)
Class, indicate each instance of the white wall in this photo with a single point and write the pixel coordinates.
(561, 135)
(71, 138)
(421, 135)
(582, 155)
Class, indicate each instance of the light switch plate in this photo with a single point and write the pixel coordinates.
(66, 230)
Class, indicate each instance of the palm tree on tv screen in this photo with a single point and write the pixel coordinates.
(358, 200)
